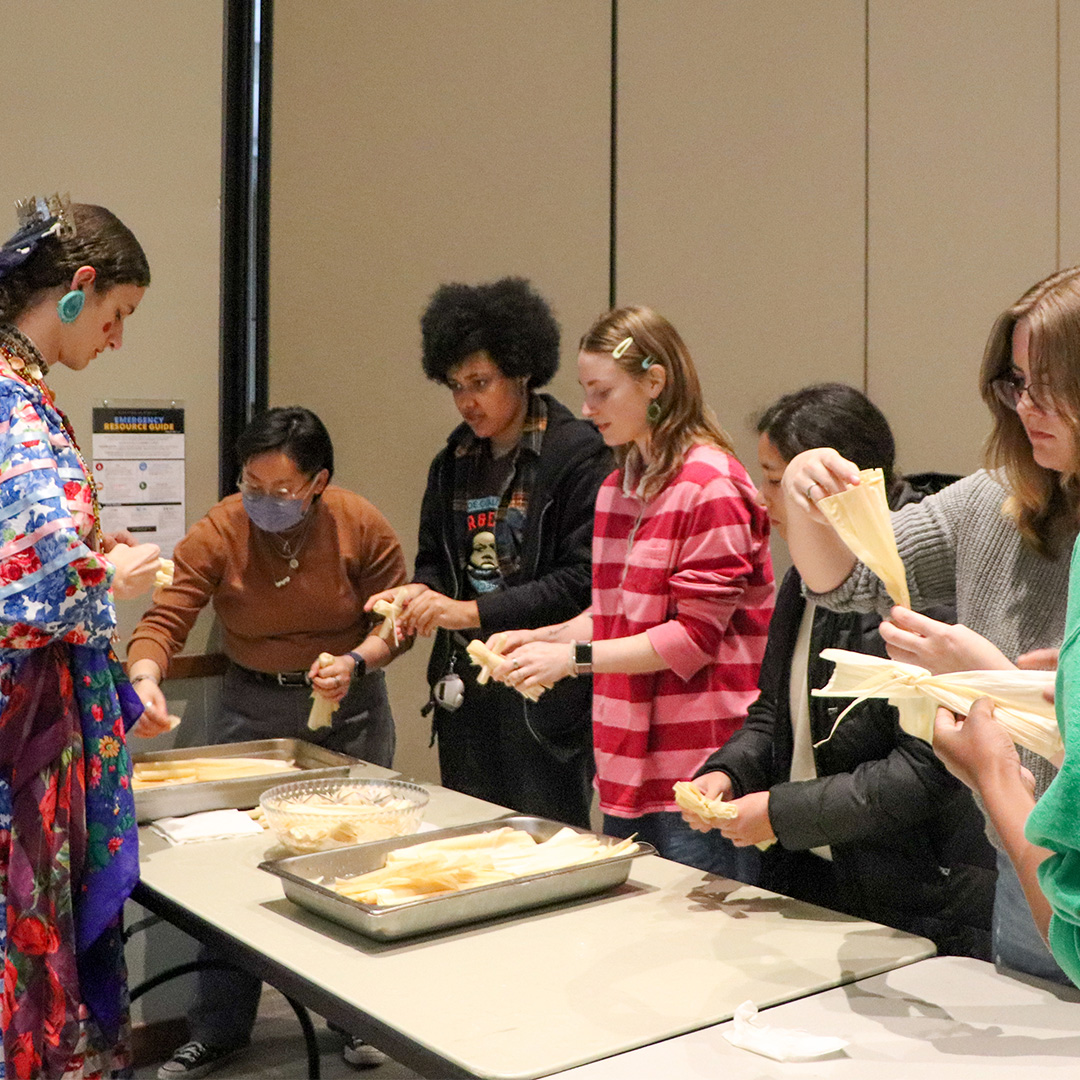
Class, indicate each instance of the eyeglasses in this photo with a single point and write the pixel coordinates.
(283, 494)
(1011, 388)
(470, 386)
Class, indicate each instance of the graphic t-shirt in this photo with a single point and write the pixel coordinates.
(494, 522)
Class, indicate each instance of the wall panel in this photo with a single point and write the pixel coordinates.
(961, 208)
(414, 144)
(740, 181)
(104, 107)
(1070, 131)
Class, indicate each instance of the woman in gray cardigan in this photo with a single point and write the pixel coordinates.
(996, 544)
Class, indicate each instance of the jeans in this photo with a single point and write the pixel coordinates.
(675, 840)
(1017, 942)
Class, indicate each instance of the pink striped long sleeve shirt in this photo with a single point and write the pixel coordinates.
(690, 568)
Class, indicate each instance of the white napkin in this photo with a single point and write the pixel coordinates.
(780, 1044)
(210, 825)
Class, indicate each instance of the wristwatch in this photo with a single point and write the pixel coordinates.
(582, 657)
(361, 664)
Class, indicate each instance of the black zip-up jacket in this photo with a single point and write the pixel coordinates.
(554, 582)
(907, 840)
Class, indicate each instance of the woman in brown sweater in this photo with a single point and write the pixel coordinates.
(288, 564)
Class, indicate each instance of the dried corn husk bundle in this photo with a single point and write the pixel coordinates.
(390, 612)
(322, 709)
(1019, 705)
(488, 660)
(155, 774)
(693, 801)
(466, 862)
(860, 516)
(690, 799)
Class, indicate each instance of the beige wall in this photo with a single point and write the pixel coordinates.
(1069, 132)
(962, 204)
(416, 143)
(835, 189)
(120, 104)
(740, 187)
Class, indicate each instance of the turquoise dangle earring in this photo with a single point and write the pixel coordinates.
(70, 305)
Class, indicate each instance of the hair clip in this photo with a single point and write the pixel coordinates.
(38, 218)
(621, 348)
(46, 217)
(647, 363)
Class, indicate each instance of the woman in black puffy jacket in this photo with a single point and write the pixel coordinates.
(867, 822)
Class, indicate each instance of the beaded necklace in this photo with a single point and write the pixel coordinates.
(29, 365)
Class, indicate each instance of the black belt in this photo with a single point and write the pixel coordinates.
(278, 678)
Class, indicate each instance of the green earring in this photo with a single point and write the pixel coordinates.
(652, 413)
(70, 305)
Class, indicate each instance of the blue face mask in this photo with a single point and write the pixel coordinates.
(273, 515)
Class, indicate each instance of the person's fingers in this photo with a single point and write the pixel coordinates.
(946, 722)
(981, 711)
(1038, 660)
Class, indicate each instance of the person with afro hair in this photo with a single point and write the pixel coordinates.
(505, 541)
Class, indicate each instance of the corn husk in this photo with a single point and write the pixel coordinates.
(390, 611)
(488, 660)
(1019, 705)
(155, 774)
(322, 709)
(690, 799)
(860, 516)
(466, 862)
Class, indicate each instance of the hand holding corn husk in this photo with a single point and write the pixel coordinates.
(488, 660)
(464, 862)
(391, 610)
(712, 811)
(691, 799)
(860, 515)
(322, 708)
(1018, 698)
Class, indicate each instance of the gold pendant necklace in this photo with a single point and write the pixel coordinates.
(288, 552)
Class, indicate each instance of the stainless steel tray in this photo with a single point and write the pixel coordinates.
(180, 799)
(301, 876)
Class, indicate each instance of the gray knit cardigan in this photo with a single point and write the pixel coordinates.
(960, 548)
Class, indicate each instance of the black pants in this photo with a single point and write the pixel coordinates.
(489, 748)
(227, 1002)
(252, 708)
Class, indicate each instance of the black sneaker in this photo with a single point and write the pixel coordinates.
(196, 1059)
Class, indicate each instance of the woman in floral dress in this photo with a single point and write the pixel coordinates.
(68, 852)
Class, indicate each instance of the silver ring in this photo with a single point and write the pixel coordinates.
(515, 663)
(813, 485)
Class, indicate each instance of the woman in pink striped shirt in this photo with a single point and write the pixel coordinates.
(682, 588)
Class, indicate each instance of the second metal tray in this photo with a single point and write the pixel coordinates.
(177, 800)
(302, 877)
